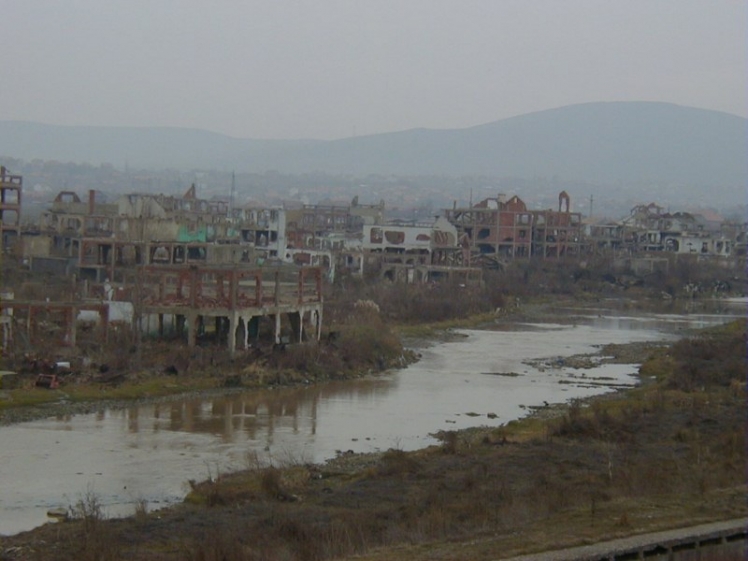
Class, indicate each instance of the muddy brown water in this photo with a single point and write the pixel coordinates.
(148, 453)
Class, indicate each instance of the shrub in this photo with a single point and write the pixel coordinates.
(450, 441)
(368, 341)
(95, 541)
(398, 462)
(89, 510)
(599, 423)
(714, 359)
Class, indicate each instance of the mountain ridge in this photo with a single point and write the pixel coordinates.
(608, 142)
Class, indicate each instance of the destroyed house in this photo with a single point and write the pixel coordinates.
(495, 226)
(307, 224)
(429, 241)
(557, 233)
(102, 239)
(417, 252)
(11, 188)
(189, 265)
(649, 229)
(262, 228)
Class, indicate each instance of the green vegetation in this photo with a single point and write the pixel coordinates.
(435, 329)
(88, 391)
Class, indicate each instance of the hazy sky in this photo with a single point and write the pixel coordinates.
(330, 69)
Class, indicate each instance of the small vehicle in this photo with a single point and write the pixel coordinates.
(49, 381)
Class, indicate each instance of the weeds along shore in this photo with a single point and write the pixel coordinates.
(670, 453)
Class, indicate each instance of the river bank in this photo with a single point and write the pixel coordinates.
(62, 406)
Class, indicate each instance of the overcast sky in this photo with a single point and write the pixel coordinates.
(331, 69)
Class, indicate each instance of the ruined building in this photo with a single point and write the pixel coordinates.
(649, 229)
(557, 233)
(183, 265)
(11, 189)
(493, 229)
(417, 253)
(499, 229)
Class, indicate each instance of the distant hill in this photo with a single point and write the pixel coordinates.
(615, 142)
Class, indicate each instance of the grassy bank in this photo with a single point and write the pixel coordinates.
(436, 330)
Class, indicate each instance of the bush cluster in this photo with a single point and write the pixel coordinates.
(716, 359)
(361, 343)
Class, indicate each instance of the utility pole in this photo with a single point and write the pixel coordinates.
(233, 190)
(591, 199)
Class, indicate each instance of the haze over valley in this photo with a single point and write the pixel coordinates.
(621, 153)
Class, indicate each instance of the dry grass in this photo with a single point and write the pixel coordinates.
(90, 537)
(603, 471)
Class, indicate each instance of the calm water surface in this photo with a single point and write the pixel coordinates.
(149, 452)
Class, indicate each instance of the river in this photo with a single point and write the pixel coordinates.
(147, 453)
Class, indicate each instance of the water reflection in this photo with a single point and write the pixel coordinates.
(253, 415)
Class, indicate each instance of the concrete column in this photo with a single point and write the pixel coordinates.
(71, 327)
(191, 329)
(319, 323)
(246, 320)
(295, 319)
(253, 329)
(105, 322)
(232, 333)
(277, 328)
(29, 323)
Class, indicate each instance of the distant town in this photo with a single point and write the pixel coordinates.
(195, 255)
